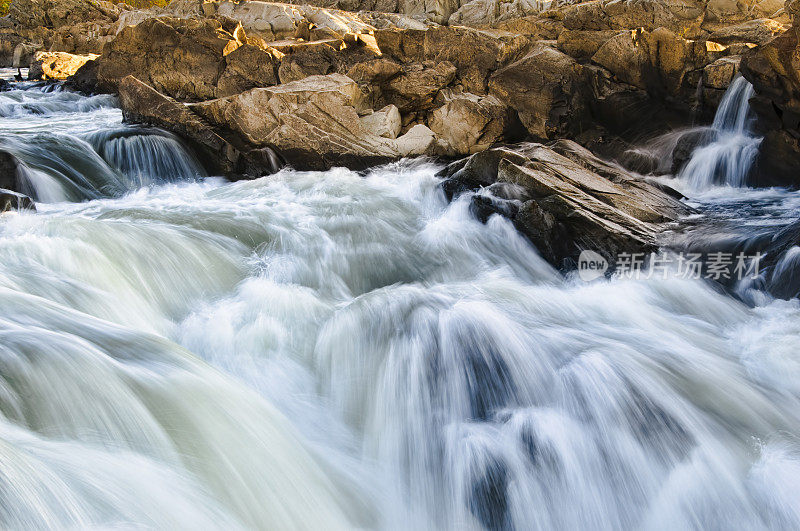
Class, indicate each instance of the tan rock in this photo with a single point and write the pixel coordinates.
(56, 66)
(719, 74)
(438, 11)
(681, 16)
(625, 57)
(475, 53)
(58, 13)
(758, 31)
(313, 123)
(468, 123)
(268, 20)
(385, 122)
(308, 59)
(182, 58)
(583, 44)
(247, 67)
(375, 72)
(418, 84)
(14, 202)
(419, 140)
(544, 89)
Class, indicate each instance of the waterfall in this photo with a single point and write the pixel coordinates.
(146, 157)
(729, 156)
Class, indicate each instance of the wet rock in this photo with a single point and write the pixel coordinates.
(686, 145)
(570, 199)
(56, 66)
(8, 171)
(13, 201)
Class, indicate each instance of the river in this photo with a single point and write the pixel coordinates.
(337, 350)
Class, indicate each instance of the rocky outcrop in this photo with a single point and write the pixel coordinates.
(183, 58)
(774, 70)
(544, 88)
(313, 124)
(55, 14)
(564, 199)
(57, 66)
(604, 72)
(476, 54)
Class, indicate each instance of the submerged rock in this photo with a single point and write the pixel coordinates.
(13, 201)
(565, 199)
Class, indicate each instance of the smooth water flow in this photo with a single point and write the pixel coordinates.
(73, 148)
(727, 159)
(330, 350)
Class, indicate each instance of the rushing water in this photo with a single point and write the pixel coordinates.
(333, 350)
(728, 157)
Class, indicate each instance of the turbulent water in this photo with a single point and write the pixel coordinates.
(333, 350)
(728, 157)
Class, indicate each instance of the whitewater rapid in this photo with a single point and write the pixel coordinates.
(337, 350)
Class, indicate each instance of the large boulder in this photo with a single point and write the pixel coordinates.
(187, 59)
(468, 123)
(142, 104)
(57, 66)
(274, 21)
(313, 123)
(717, 77)
(564, 199)
(544, 87)
(758, 31)
(486, 12)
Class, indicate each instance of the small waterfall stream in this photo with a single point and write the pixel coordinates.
(727, 159)
(335, 350)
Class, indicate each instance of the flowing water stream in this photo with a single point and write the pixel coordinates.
(333, 350)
